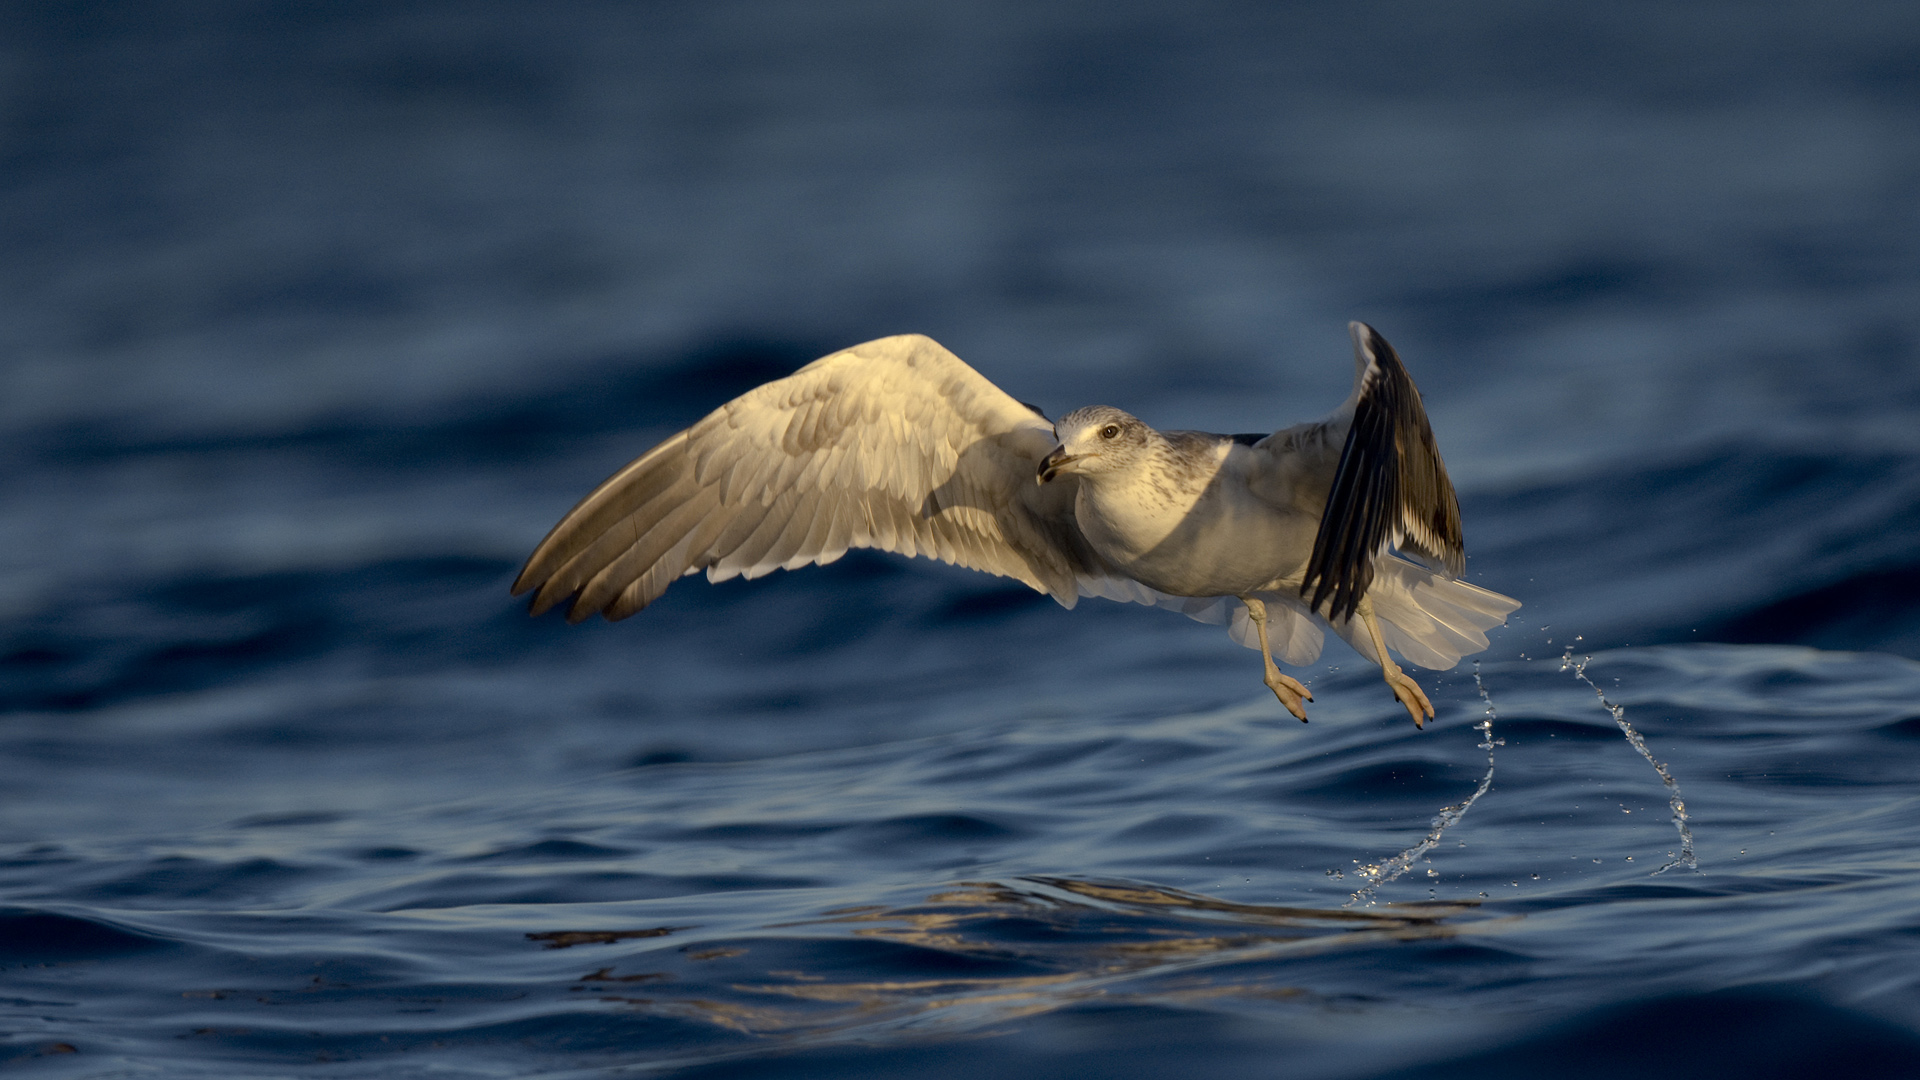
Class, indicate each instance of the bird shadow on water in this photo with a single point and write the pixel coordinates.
(976, 953)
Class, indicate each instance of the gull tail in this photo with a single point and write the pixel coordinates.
(1429, 619)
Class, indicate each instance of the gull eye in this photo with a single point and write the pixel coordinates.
(1110, 431)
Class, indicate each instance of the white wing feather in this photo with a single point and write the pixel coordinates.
(895, 444)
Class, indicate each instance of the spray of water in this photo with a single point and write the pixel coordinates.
(1378, 874)
(1674, 801)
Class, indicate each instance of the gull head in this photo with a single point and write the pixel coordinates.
(1094, 440)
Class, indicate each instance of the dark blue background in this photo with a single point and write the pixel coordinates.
(314, 317)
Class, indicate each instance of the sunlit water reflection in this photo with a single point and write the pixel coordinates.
(955, 884)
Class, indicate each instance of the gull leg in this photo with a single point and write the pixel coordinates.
(1290, 692)
(1404, 687)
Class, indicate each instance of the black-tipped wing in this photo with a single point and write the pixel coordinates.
(1390, 488)
(895, 444)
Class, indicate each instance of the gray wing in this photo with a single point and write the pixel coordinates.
(1390, 488)
(895, 444)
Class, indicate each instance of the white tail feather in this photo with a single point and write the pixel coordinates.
(1430, 619)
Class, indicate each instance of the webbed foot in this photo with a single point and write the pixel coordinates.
(1404, 688)
(1290, 692)
(1411, 696)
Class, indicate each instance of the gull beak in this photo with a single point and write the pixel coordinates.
(1050, 468)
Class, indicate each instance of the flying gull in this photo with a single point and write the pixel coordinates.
(1348, 523)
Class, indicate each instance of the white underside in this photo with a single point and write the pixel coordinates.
(1429, 619)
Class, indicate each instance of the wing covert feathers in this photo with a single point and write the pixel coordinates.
(1390, 488)
(895, 444)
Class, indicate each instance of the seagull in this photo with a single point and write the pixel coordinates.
(1346, 524)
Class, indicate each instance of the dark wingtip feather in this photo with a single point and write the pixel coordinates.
(1390, 486)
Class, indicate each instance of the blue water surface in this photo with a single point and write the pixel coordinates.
(316, 317)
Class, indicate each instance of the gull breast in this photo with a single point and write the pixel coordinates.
(1186, 524)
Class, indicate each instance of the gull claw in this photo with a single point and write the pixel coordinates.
(1289, 690)
(1411, 696)
(1291, 693)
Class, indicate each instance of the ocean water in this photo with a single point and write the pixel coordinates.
(314, 320)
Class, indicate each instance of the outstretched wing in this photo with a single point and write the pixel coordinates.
(1390, 488)
(895, 444)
